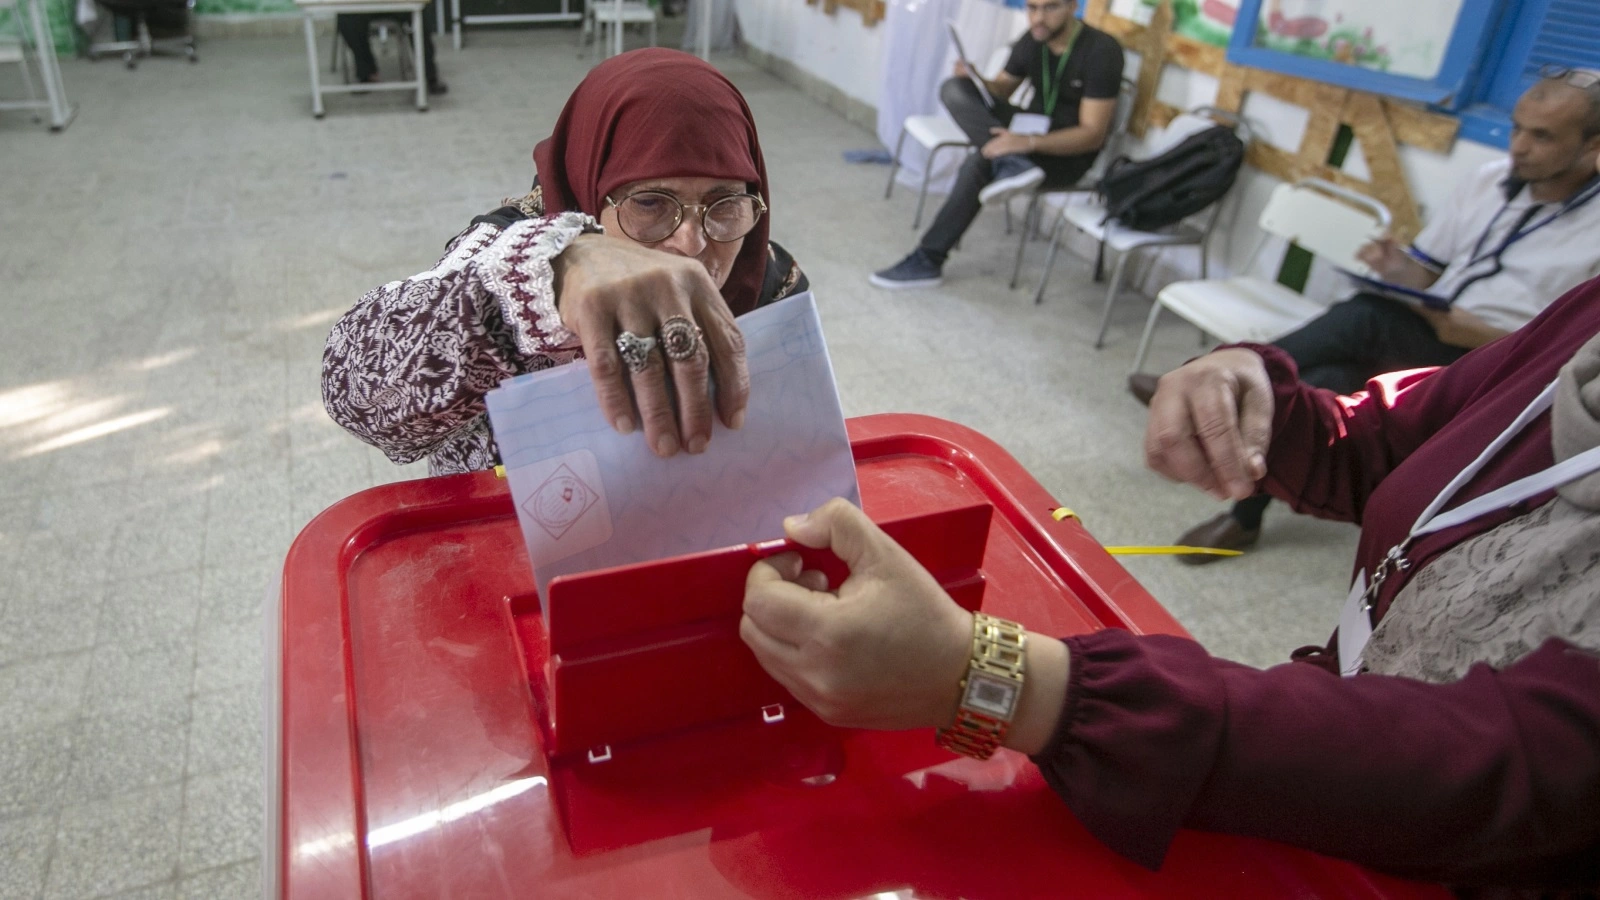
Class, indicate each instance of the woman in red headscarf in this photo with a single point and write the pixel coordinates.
(645, 234)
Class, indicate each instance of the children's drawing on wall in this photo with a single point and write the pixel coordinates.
(1207, 21)
(1403, 39)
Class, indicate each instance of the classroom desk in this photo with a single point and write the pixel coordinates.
(313, 8)
(412, 757)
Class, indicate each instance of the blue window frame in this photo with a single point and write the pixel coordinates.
(1495, 50)
(1537, 33)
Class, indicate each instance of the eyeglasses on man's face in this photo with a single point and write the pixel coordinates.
(1582, 79)
(650, 217)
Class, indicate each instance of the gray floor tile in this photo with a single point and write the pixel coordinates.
(235, 591)
(222, 820)
(227, 730)
(160, 670)
(241, 881)
(136, 745)
(44, 691)
(123, 843)
(41, 621)
(33, 768)
(229, 655)
(149, 608)
(25, 846)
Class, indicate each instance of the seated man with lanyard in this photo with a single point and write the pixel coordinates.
(1076, 71)
(1511, 238)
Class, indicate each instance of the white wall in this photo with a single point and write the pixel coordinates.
(836, 48)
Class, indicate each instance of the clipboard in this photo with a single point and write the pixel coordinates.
(972, 70)
(1396, 291)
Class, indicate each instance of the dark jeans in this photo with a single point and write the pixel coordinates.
(960, 97)
(1339, 350)
(353, 28)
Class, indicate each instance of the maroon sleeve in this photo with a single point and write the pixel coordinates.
(1329, 452)
(1495, 778)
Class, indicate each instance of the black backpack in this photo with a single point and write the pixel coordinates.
(1151, 193)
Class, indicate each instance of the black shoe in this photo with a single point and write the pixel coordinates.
(1222, 532)
(438, 87)
(1142, 387)
(915, 271)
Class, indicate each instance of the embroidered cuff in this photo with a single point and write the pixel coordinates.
(523, 281)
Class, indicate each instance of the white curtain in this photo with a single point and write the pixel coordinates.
(917, 58)
(724, 25)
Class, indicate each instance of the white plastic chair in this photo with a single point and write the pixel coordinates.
(1330, 221)
(1108, 152)
(1086, 213)
(599, 15)
(936, 132)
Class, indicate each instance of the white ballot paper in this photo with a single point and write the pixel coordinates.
(590, 498)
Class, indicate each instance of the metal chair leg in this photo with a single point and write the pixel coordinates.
(1049, 258)
(1144, 339)
(1022, 242)
(1111, 296)
(922, 196)
(894, 163)
(1100, 262)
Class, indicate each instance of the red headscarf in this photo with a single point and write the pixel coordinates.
(657, 113)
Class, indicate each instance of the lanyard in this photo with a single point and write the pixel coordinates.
(1518, 231)
(1433, 520)
(1052, 92)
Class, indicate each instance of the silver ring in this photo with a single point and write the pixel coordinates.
(680, 338)
(635, 350)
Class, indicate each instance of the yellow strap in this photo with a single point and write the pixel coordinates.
(1174, 549)
(1063, 512)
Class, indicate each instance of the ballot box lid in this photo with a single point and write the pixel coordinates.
(411, 757)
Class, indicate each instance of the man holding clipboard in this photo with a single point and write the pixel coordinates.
(1076, 72)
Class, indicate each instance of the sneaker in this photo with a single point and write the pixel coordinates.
(1012, 174)
(915, 271)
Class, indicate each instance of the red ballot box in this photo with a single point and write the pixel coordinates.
(437, 737)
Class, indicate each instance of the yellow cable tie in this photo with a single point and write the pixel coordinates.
(499, 471)
(1063, 513)
(1175, 550)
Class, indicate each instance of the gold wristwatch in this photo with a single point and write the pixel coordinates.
(991, 690)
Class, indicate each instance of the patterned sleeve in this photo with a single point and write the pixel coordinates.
(407, 368)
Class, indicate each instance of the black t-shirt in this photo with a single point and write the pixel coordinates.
(1093, 70)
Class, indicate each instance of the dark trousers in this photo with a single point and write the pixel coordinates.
(353, 28)
(960, 96)
(1339, 350)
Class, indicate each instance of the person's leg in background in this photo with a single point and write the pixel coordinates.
(353, 29)
(1354, 340)
(924, 266)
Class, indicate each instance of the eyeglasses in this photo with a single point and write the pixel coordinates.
(652, 216)
(1582, 79)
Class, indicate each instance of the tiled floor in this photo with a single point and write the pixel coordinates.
(170, 266)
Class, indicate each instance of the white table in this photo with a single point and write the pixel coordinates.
(313, 8)
(44, 44)
(457, 20)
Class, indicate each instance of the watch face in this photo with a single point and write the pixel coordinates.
(993, 696)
